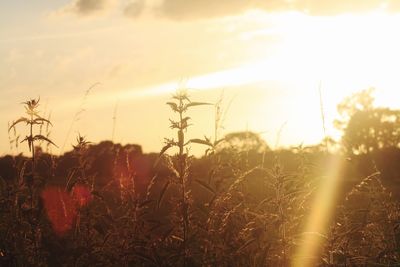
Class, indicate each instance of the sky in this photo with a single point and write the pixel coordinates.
(106, 68)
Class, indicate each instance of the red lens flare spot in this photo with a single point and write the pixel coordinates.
(60, 208)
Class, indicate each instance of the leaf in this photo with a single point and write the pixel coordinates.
(184, 122)
(41, 120)
(163, 150)
(41, 137)
(162, 194)
(30, 141)
(202, 142)
(205, 185)
(193, 104)
(219, 141)
(174, 124)
(173, 106)
(22, 119)
(209, 151)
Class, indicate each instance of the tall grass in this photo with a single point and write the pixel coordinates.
(237, 206)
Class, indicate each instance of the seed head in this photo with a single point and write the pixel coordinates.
(81, 143)
(31, 106)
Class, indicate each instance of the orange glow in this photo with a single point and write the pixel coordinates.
(62, 208)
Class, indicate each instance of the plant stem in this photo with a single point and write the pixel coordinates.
(182, 167)
(32, 146)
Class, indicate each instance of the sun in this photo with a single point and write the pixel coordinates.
(345, 50)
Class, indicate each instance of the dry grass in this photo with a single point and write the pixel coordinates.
(239, 211)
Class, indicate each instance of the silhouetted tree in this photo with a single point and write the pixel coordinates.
(365, 127)
(244, 142)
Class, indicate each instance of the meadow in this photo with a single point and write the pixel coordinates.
(241, 204)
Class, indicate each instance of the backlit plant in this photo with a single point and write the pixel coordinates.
(179, 167)
(33, 118)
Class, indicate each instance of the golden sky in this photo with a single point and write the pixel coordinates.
(267, 57)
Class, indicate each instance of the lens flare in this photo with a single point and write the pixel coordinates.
(309, 252)
(62, 207)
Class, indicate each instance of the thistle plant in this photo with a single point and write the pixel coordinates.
(180, 164)
(80, 149)
(33, 118)
(27, 198)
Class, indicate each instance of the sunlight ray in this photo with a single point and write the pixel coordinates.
(315, 233)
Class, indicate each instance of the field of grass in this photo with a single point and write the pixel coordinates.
(241, 204)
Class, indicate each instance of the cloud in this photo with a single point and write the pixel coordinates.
(134, 8)
(333, 7)
(203, 9)
(87, 7)
(192, 9)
